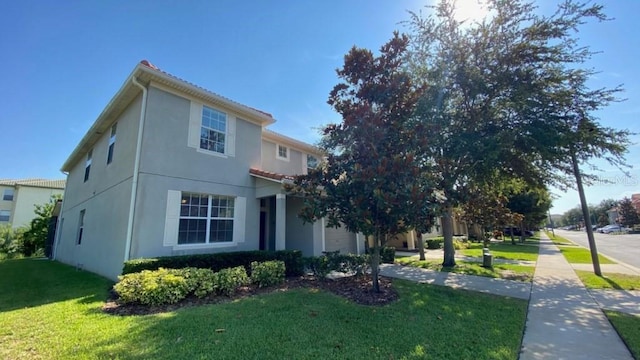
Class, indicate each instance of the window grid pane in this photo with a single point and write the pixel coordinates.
(213, 130)
(8, 195)
(205, 219)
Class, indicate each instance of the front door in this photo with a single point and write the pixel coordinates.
(263, 230)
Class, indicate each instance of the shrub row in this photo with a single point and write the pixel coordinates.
(438, 243)
(292, 259)
(387, 254)
(168, 286)
(321, 266)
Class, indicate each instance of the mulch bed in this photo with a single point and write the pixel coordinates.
(355, 288)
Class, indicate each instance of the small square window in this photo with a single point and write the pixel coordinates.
(282, 152)
(7, 195)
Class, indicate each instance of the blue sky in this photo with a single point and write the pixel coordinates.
(62, 61)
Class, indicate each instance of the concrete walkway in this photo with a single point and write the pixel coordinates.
(516, 289)
(564, 320)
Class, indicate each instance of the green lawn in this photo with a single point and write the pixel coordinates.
(51, 311)
(505, 250)
(559, 240)
(628, 327)
(508, 271)
(609, 281)
(580, 255)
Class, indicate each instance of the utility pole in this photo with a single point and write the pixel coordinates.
(552, 226)
(585, 215)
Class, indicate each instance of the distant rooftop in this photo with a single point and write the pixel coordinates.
(43, 183)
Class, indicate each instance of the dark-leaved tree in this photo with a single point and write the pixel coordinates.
(628, 213)
(371, 182)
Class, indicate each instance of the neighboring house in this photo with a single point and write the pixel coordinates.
(169, 168)
(19, 197)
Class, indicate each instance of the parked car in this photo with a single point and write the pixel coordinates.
(611, 229)
(517, 232)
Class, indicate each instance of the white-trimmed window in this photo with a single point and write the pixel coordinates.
(5, 215)
(87, 165)
(205, 219)
(112, 144)
(7, 195)
(282, 152)
(213, 131)
(312, 162)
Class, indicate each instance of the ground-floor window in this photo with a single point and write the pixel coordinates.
(205, 218)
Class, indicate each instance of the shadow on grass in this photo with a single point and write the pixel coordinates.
(34, 282)
(611, 282)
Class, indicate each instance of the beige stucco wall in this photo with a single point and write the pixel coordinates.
(25, 199)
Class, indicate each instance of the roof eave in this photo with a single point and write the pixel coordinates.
(274, 136)
(128, 91)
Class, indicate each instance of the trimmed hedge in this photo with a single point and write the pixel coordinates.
(434, 244)
(169, 286)
(267, 273)
(292, 260)
(322, 265)
(387, 254)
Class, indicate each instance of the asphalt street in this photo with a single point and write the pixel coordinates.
(625, 247)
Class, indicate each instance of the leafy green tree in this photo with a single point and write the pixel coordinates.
(628, 213)
(532, 203)
(509, 93)
(486, 208)
(372, 182)
(36, 235)
(11, 241)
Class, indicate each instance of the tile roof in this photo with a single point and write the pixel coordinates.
(43, 183)
(270, 175)
(153, 67)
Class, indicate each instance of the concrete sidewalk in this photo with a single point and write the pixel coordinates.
(564, 321)
(516, 289)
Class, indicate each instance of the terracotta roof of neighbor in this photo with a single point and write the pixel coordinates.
(270, 175)
(44, 183)
(151, 66)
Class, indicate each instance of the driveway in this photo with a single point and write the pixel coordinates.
(625, 248)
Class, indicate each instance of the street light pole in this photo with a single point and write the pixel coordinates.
(585, 215)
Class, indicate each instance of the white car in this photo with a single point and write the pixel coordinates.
(611, 229)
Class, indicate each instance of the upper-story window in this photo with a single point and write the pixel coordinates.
(87, 165)
(213, 131)
(112, 144)
(282, 152)
(7, 195)
(312, 162)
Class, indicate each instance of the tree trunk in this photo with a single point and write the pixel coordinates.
(375, 262)
(447, 232)
(420, 245)
(513, 239)
(521, 231)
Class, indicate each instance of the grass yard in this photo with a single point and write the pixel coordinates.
(559, 240)
(504, 271)
(580, 255)
(505, 250)
(609, 281)
(628, 327)
(51, 311)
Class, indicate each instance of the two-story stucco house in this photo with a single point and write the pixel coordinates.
(19, 197)
(170, 168)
